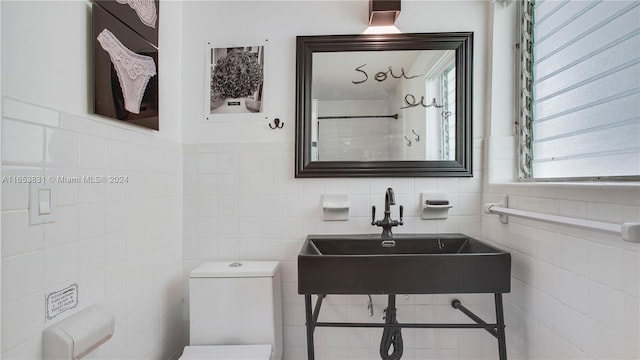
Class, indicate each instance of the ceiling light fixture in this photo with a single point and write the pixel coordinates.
(383, 12)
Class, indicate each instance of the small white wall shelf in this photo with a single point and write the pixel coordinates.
(335, 207)
(434, 206)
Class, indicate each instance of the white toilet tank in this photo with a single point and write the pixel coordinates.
(236, 303)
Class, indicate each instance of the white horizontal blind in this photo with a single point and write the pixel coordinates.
(586, 89)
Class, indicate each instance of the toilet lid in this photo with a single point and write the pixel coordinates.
(235, 269)
(227, 352)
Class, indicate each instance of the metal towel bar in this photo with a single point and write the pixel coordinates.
(628, 231)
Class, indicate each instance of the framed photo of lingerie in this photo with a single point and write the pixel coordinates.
(234, 80)
(140, 15)
(125, 72)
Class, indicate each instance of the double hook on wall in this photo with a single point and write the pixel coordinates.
(409, 140)
(276, 124)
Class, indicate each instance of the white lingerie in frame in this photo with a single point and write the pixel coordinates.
(134, 70)
(146, 10)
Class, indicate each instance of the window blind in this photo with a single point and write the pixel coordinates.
(448, 113)
(586, 89)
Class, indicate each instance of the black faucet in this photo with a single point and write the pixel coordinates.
(387, 223)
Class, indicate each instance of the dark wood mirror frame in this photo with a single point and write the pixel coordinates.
(461, 42)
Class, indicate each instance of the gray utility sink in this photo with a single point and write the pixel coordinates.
(417, 264)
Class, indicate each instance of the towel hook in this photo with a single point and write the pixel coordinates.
(408, 141)
(276, 124)
(417, 136)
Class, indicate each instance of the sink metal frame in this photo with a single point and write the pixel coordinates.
(496, 329)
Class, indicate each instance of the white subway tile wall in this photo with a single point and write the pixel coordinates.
(119, 242)
(574, 292)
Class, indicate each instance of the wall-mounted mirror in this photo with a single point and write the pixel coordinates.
(384, 105)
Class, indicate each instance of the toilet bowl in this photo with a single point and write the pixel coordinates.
(227, 352)
(235, 311)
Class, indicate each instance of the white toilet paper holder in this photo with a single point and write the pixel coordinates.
(78, 335)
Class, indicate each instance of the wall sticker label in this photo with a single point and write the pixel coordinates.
(62, 300)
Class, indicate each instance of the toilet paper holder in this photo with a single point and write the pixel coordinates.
(78, 335)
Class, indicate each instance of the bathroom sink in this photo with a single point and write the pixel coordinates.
(410, 264)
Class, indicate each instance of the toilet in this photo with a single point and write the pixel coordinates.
(235, 311)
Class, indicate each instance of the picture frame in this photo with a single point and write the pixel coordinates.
(126, 94)
(234, 80)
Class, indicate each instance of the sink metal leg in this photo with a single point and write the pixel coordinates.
(310, 327)
(502, 341)
(311, 315)
(316, 310)
(456, 304)
(497, 329)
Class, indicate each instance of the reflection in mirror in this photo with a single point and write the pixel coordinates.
(394, 105)
(384, 105)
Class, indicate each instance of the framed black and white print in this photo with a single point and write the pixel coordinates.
(234, 80)
(125, 72)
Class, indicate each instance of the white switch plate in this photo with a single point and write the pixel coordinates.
(42, 203)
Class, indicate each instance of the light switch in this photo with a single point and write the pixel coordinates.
(42, 203)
